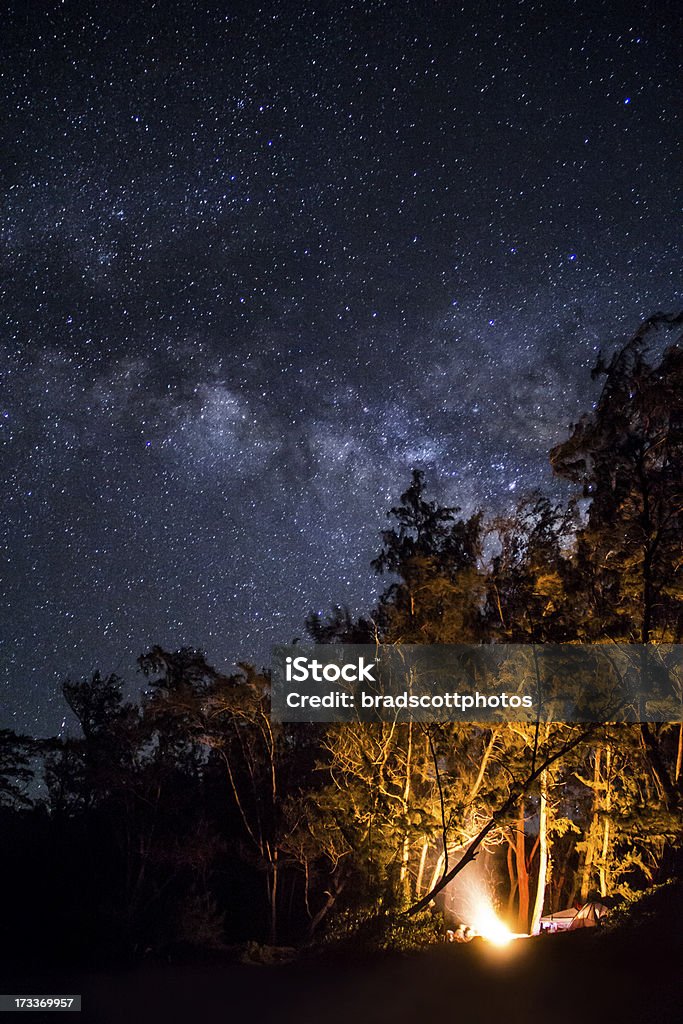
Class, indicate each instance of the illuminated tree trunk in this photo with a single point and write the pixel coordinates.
(512, 876)
(522, 871)
(405, 852)
(593, 830)
(438, 871)
(421, 868)
(604, 853)
(542, 857)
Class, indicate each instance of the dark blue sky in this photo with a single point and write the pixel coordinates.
(260, 262)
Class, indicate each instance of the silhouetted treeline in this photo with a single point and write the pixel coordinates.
(189, 819)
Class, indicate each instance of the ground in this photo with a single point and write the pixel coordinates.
(631, 975)
(628, 971)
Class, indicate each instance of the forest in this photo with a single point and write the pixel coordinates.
(188, 820)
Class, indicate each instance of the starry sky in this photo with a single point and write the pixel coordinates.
(258, 262)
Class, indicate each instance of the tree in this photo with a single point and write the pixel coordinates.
(15, 768)
(628, 456)
(438, 596)
(526, 585)
(250, 746)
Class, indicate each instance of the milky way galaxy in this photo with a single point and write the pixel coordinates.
(259, 262)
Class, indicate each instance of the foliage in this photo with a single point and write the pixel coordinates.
(15, 768)
(381, 930)
(627, 455)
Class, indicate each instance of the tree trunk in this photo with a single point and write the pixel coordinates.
(438, 871)
(337, 883)
(405, 852)
(542, 856)
(512, 879)
(607, 803)
(272, 897)
(593, 828)
(421, 868)
(522, 871)
(488, 750)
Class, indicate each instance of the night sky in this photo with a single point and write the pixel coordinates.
(259, 262)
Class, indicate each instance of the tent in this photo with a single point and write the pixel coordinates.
(590, 915)
(560, 921)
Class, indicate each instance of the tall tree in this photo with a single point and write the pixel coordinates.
(526, 586)
(438, 595)
(628, 456)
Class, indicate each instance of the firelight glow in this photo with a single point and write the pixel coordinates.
(473, 905)
(486, 923)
